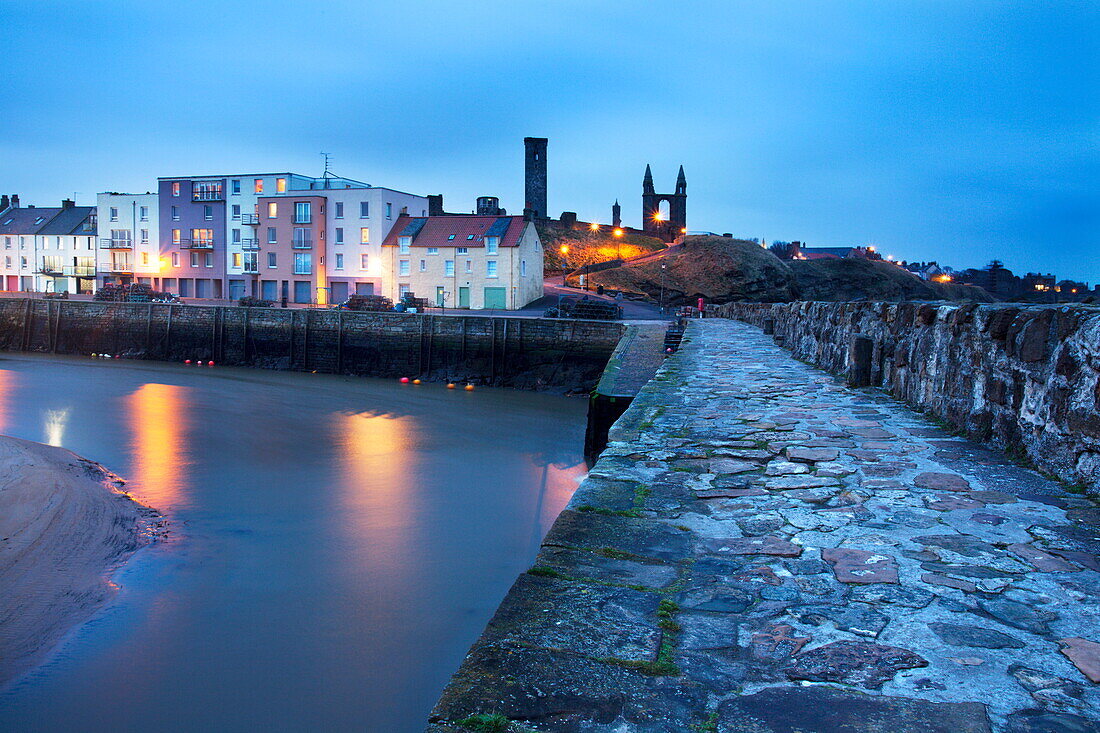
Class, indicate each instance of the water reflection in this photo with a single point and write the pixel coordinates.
(158, 419)
(8, 381)
(55, 426)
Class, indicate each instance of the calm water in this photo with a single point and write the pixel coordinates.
(337, 543)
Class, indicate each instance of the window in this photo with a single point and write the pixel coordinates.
(364, 235)
(402, 290)
(236, 236)
(389, 211)
(208, 212)
(339, 235)
(175, 188)
(7, 242)
(114, 213)
(403, 244)
(402, 267)
(7, 262)
(271, 239)
(272, 260)
(250, 262)
(175, 259)
(272, 210)
(175, 213)
(258, 185)
(523, 268)
(462, 250)
(364, 262)
(280, 185)
(450, 237)
(143, 212)
(302, 238)
(364, 209)
(469, 237)
(145, 236)
(302, 213)
(237, 261)
(339, 209)
(23, 262)
(236, 211)
(491, 245)
(145, 258)
(194, 259)
(433, 250)
(491, 268)
(209, 260)
(175, 236)
(449, 268)
(235, 186)
(469, 266)
(339, 261)
(423, 265)
(303, 263)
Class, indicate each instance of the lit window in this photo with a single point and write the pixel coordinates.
(402, 267)
(280, 185)
(449, 268)
(364, 235)
(272, 210)
(175, 236)
(339, 261)
(364, 262)
(364, 209)
(339, 209)
(491, 268)
(258, 185)
(433, 250)
(237, 259)
(145, 258)
(175, 188)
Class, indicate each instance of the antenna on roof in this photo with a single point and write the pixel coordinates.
(326, 174)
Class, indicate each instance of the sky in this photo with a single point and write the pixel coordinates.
(957, 131)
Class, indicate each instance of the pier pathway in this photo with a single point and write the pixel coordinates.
(761, 548)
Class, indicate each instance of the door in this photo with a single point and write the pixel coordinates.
(439, 296)
(269, 290)
(303, 291)
(339, 291)
(202, 288)
(236, 289)
(364, 288)
(495, 298)
(463, 297)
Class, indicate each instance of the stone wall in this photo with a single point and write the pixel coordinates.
(525, 353)
(1023, 378)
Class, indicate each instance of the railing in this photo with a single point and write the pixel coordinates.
(302, 244)
(48, 270)
(250, 245)
(79, 271)
(307, 219)
(252, 219)
(121, 267)
(196, 244)
(251, 268)
(208, 195)
(109, 243)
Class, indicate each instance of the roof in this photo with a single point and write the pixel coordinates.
(70, 221)
(23, 220)
(456, 231)
(825, 253)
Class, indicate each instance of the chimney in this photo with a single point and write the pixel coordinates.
(15, 201)
(67, 203)
(435, 204)
(5, 202)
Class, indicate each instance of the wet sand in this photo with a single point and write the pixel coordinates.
(64, 525)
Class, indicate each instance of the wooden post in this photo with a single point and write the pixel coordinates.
(293, 334)
(247, 335)
(431, 334)
(168, 333)
(148, 329)
(57, 327)
(24, 338)
(340, 341)
(504, 353)
(305, 338)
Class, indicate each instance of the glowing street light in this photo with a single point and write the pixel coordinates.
(594, 227)
(657, 216)
(618, 232)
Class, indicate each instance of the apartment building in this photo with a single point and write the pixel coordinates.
(323, 244)
(19, 227)
(464, 261)
(129, 239)
(65, 250)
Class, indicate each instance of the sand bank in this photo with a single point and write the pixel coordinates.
(64, 525)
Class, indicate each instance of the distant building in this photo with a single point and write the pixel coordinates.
(666, 225)
(66, 250)
(129, 239)
(464, 261)
(19, 227)
(799, 251)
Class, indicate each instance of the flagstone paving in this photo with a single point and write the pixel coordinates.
(761, 548)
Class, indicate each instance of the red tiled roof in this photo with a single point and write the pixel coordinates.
(468, 231)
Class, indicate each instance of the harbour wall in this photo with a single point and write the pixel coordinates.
(1025, 378)
(523, 353)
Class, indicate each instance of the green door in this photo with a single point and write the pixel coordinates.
(495, 298)
(463, 297)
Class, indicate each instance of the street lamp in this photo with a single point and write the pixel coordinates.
(564, 250)
(662, 288)
(618, 242)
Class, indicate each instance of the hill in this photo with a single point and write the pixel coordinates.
(721, 269)
(586, 247)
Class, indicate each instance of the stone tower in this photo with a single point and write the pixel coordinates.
(668, 229)
(534, 179)
(616, 215)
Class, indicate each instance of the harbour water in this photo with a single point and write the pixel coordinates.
(336, 543)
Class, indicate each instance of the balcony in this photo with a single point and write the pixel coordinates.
(109, 243)
(120, 267)
(251, 268)
(49, 270)
(250, 219)
(79, 271)
(196, 244)
(250, 245)
(208, 192)
(302, 244)
(303, 219)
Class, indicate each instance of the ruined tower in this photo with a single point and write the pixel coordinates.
(534, 178)
(616, 215)
(652, 223)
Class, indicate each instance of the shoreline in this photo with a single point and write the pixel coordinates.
(65, 526)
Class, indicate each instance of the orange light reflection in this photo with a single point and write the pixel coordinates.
(159, 420)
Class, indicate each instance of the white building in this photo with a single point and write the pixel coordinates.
(129, 235)
(65, 251)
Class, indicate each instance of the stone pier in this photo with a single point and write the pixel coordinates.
(763, 548)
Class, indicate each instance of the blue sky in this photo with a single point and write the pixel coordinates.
(957, 131)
